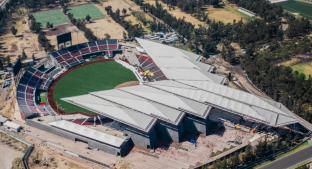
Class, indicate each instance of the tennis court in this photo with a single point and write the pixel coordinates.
(81, 11)
(55, 16)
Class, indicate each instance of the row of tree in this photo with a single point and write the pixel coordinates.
(263, 150)
(134, 30)
(81, 25)
(42, 39)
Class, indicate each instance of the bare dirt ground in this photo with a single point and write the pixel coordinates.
(179, 14)
(106, 26)
(126, 84)
(13, 46)
(10, 154)
(77, 35)
(44, 158)
(55, 150)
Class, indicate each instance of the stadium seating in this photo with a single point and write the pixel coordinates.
(72, 56)
(26, 92)
(40, 77)
(147, 64)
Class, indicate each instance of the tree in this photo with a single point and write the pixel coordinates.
(33, 57)
(49, 25)
(124, 35)
(13, 30)
(8, 60)
(88, 18)
(107, 36)
(24, 56)
(124, 12)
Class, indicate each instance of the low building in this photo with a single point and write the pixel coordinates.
(95, 139)
(12, 126)
(2, 120)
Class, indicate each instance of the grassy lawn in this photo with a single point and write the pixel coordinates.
(305, 68)
(303, 8)
(227, 14)
(301, 147)
(56, 17)
(90, 78)
(81, 11)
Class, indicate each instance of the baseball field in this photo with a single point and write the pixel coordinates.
(89, 78)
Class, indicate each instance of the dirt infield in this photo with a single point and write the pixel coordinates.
(126, 84)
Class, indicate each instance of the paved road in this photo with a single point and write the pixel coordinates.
(290, 160)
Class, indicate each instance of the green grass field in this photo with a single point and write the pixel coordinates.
(304, 9)
(81, 11)
(43, 97)
(55, 16)
(90, 78)
(305, 68)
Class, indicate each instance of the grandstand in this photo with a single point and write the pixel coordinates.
(73, 55)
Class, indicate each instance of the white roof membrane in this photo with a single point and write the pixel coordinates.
(88, 132)
(140, 104)
(100, 106)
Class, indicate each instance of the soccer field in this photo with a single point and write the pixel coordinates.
(81, 11)
(89, 78)
(55, 16)
(304, 9)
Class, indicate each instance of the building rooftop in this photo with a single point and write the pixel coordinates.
(100, 106)
(140, 104)
(176, 63)
(88, 132)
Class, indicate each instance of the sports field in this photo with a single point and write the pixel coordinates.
(55, 16)
(90, 78)
(81, 11)
(294, 6)
(305, 68)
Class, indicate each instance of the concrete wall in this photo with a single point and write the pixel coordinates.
(141, 139)
(123, 150)
(193, 124)
(169, 132)
(217, 114)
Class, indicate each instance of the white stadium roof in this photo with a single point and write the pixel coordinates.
(100, 106)
(189, 90)
(178, 64)
(88, 132)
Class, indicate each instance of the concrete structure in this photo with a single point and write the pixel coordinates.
(95, 139)
(2, 120)
(191, 100)
(115, 145)
(12, 126)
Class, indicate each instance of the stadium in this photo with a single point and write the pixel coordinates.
(148, 95)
